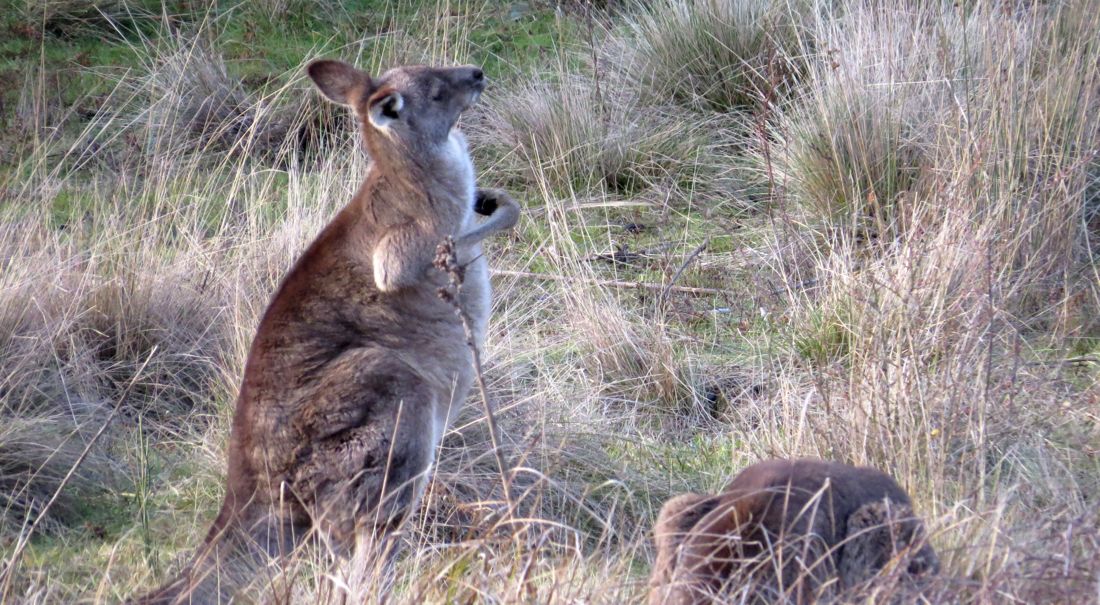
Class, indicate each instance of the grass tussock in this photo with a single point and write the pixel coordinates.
(897, 120)
(85, 334)
(59, 16)
(193, 103)
(36, 453)
(570, 134)
(913, 286)
(188, 103)
(705, 54)
(640, 367)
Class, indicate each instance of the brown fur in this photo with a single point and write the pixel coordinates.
(785, 529)
(357, 366)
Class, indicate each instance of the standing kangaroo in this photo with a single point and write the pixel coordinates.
(358, 366)
(783, 531)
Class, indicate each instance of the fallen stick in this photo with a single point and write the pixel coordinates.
(612, 283)
(675, 276)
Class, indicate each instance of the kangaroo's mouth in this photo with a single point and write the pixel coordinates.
(476, 88)
(475, 93)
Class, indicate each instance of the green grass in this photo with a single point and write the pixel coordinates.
(706, 461)
(517, 38)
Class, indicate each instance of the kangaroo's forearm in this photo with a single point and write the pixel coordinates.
(503, 215)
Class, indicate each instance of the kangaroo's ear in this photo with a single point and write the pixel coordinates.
(385, 107)
(340, 82)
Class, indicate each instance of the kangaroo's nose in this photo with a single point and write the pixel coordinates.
(478, 75)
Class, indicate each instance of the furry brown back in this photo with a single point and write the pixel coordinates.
(781, 530)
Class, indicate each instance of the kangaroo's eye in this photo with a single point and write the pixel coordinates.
(438, 96)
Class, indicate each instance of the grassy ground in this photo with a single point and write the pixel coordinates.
(864, 231)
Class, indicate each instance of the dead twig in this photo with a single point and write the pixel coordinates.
(1069, 361)
(612, 283)
(623, 255)
(687, 261)
(447, 261)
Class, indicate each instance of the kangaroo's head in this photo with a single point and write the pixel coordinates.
(407, 111)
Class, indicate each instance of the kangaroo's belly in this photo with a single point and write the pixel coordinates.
(318, 389)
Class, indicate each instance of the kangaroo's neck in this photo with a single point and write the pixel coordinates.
(455, 169)
(439, 168)
(429, 180)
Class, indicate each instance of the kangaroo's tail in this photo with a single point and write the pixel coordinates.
(236, 547)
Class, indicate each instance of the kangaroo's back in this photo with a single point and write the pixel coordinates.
(782, 529)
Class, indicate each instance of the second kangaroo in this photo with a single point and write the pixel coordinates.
(358, 367)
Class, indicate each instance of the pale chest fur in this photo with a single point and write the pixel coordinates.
(456, 159)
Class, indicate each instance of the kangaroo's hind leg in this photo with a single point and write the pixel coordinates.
(368, 470)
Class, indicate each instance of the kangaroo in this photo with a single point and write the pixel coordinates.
(781, 531)
(358, 366)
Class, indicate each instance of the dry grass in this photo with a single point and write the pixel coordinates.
(708, 55)
(574, 137)
(915, 288)
(186, 103)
